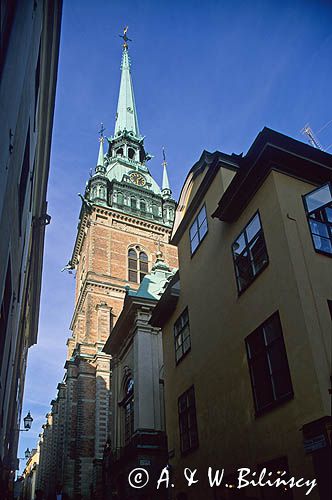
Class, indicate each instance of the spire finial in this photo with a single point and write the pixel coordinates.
(125, 38)
(101, 132)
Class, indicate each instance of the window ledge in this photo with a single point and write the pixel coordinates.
(274, 404)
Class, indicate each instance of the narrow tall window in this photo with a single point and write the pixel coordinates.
(133, 203)
(120, 198)
(268, 364)
(142, 206)
(188, 421)
(249, 253)
(182, 336)
(128, 406)
(143, 265)
(132, 265)
(24, 178)
(5, 310)
(198, 229)
(318, 206)
(138, 265)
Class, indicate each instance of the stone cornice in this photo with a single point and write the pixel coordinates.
(86, 289)
(156, 229)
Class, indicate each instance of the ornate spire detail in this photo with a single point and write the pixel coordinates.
(126, 116)
(100, 168)
(165, 190)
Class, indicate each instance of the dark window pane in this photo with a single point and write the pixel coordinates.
(182, 335)
(198, 229)
(268, 364)
(249, 253)
(133, 276)
(187, 421)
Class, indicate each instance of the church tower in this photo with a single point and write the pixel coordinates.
(125, 220)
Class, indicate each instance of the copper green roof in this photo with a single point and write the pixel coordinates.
(126, 116)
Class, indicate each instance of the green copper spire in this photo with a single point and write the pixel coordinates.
(100, 162)
(165, 189)
(126, 116)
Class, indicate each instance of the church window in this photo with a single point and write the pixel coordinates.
(119, 152)
(120, 198)
(198, 229)
(132, 265)
(128, 406)
(138, 265)
(133, 203)
(155, 210)
(143, 206)
(318, 204)
(143, 265)
(249, 253)
(131, 153)
(182, 336)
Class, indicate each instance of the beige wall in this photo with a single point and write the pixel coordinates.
(297, 283)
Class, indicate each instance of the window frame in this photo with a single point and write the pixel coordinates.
(180, 333)
(190, 414)
(327, 223)
(195, 221)
(246, 248)
(259, 410)
(140, 263)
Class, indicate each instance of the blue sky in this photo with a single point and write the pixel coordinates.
(207, 75)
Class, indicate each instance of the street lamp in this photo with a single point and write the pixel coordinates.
(27, 422)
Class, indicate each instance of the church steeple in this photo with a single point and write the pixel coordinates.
(126, 116)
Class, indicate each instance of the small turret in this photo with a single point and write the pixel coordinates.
(98, 185)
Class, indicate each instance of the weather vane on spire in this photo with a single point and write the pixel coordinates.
(125, 38)
(164, 163)
(101, 132)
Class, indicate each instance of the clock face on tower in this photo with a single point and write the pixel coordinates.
(137, 179)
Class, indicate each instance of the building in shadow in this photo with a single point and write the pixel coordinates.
(29, 49)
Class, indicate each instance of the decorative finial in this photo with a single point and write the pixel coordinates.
(125, 38)
(164, 163)
(101, 132)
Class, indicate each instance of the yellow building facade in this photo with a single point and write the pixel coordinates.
(247, 321)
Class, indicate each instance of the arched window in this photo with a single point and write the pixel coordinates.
(119, 152)
(131, 153)
(142, 205)
(143, 265)
(132, 265)
(155, 210)
(133, 203)
(120, 198)
(138, 266)
(128, 406)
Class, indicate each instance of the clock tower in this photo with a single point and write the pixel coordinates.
(125, 222)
